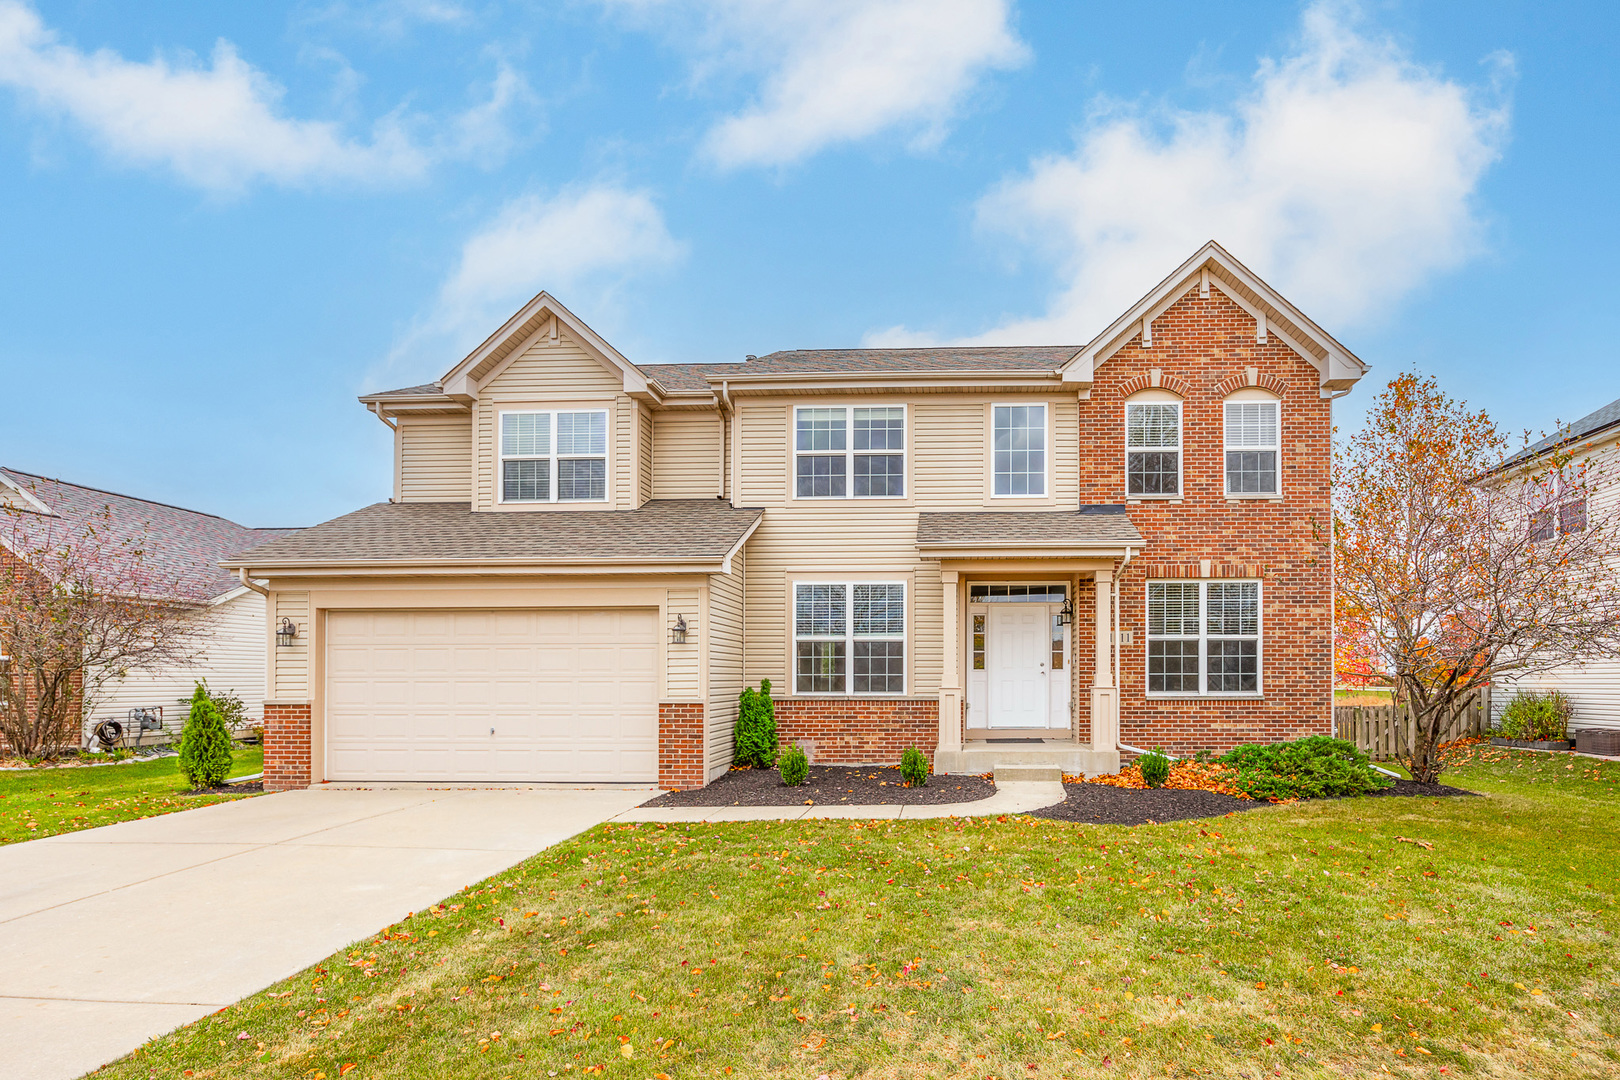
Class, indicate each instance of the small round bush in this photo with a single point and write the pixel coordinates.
(794, 765)
(205, 743)
(1155, 768)
(914, 767)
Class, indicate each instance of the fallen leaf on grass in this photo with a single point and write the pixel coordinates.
(1426, 845)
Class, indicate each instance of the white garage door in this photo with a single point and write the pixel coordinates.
(492, 695)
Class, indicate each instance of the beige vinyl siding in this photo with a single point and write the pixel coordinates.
(1593, 688)
(686, 456)
(435, 458)
(232, 660)
(290, 679)
(725, 665)
(560, 376)
(644, 481)
(684, 671)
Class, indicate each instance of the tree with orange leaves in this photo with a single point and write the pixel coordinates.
(1456, 565)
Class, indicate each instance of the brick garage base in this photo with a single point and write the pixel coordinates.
(286, 747)
(860, 732)
(680, 745)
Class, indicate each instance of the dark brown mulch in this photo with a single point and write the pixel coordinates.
(250, 787)
(1100, 804)
(828, 785)
(1416, 790)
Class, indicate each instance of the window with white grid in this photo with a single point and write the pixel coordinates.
(849, 638)
(854, 452)
(1203, 638)
(1152, 449)
(1018, 457)
(1251, 447)
(554, 456)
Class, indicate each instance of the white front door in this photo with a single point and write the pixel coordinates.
(1018, 656)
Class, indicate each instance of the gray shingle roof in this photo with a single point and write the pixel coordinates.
(663, 530)
(179, 547)
(1590, 424)
(1035, 358)
(1091, 526)
(424, 390)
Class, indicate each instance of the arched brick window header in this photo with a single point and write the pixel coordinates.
(1153, 380)
(1251, 377)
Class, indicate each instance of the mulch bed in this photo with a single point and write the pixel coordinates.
(250, 787)
(829, 785)
(1100, 804)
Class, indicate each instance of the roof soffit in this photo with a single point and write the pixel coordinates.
(1213, 266)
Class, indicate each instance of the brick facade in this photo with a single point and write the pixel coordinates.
(1205, 348)
(872, 731)
(286, 746)
(680, 745)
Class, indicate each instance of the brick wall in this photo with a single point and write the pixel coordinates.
(286, 746)
(859, 732)
(1199, 344)
(680, 745)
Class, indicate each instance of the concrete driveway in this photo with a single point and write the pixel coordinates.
(113, 936)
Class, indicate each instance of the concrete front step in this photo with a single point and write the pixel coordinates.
(1068, 758)
(1028, 774)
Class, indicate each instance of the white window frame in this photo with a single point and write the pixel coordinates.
(1046, 449)
(849, 638)
(850, 453)
(552, 457)
(1252, 397)
(1157, 397)
(1203, 638)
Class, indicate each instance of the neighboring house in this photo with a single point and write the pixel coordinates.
(183, 547)
(1593, 688)
(994, 554)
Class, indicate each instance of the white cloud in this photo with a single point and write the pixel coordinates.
(1347, 176)
(838, 70)
(581, 245)
(216, 126)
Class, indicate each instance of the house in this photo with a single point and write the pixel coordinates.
(182, 549)
(1593, 687)
(1046, 553)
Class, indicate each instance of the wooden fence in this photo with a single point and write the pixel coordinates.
(1383, 736)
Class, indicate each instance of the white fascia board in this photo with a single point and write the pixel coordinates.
(725, 567)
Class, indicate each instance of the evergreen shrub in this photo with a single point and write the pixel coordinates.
(755, 744)
(205, 743)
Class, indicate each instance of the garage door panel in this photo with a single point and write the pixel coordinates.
(571, 695)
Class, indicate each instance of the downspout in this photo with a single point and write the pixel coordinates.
(242, 576)
(1114, 603)
(726, 413)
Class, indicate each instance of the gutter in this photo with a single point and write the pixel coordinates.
(242, 576)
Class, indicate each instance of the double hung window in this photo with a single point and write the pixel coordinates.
(554, 456)
(857, 452)
(1203, 637)
(849, 638)
(1019, 455)
(1251, 447)
(1152, 449)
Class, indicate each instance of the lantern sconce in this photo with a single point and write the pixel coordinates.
(287, 633)
(1066, 612)
(677, 633)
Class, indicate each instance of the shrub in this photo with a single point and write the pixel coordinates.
(795, 766)
(1537, 716)
(914, 767)
(205, 743)
(1155, 768)
(1310, 768)
(756, 727)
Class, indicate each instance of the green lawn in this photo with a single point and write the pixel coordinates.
(1308, 940)
(44, 802)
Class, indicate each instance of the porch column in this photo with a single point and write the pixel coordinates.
(1104, 694)
(950, 682)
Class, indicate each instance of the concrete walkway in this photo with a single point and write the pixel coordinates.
(119, 934)
(1011, 797)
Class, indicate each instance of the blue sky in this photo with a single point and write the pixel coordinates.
(219, 223)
